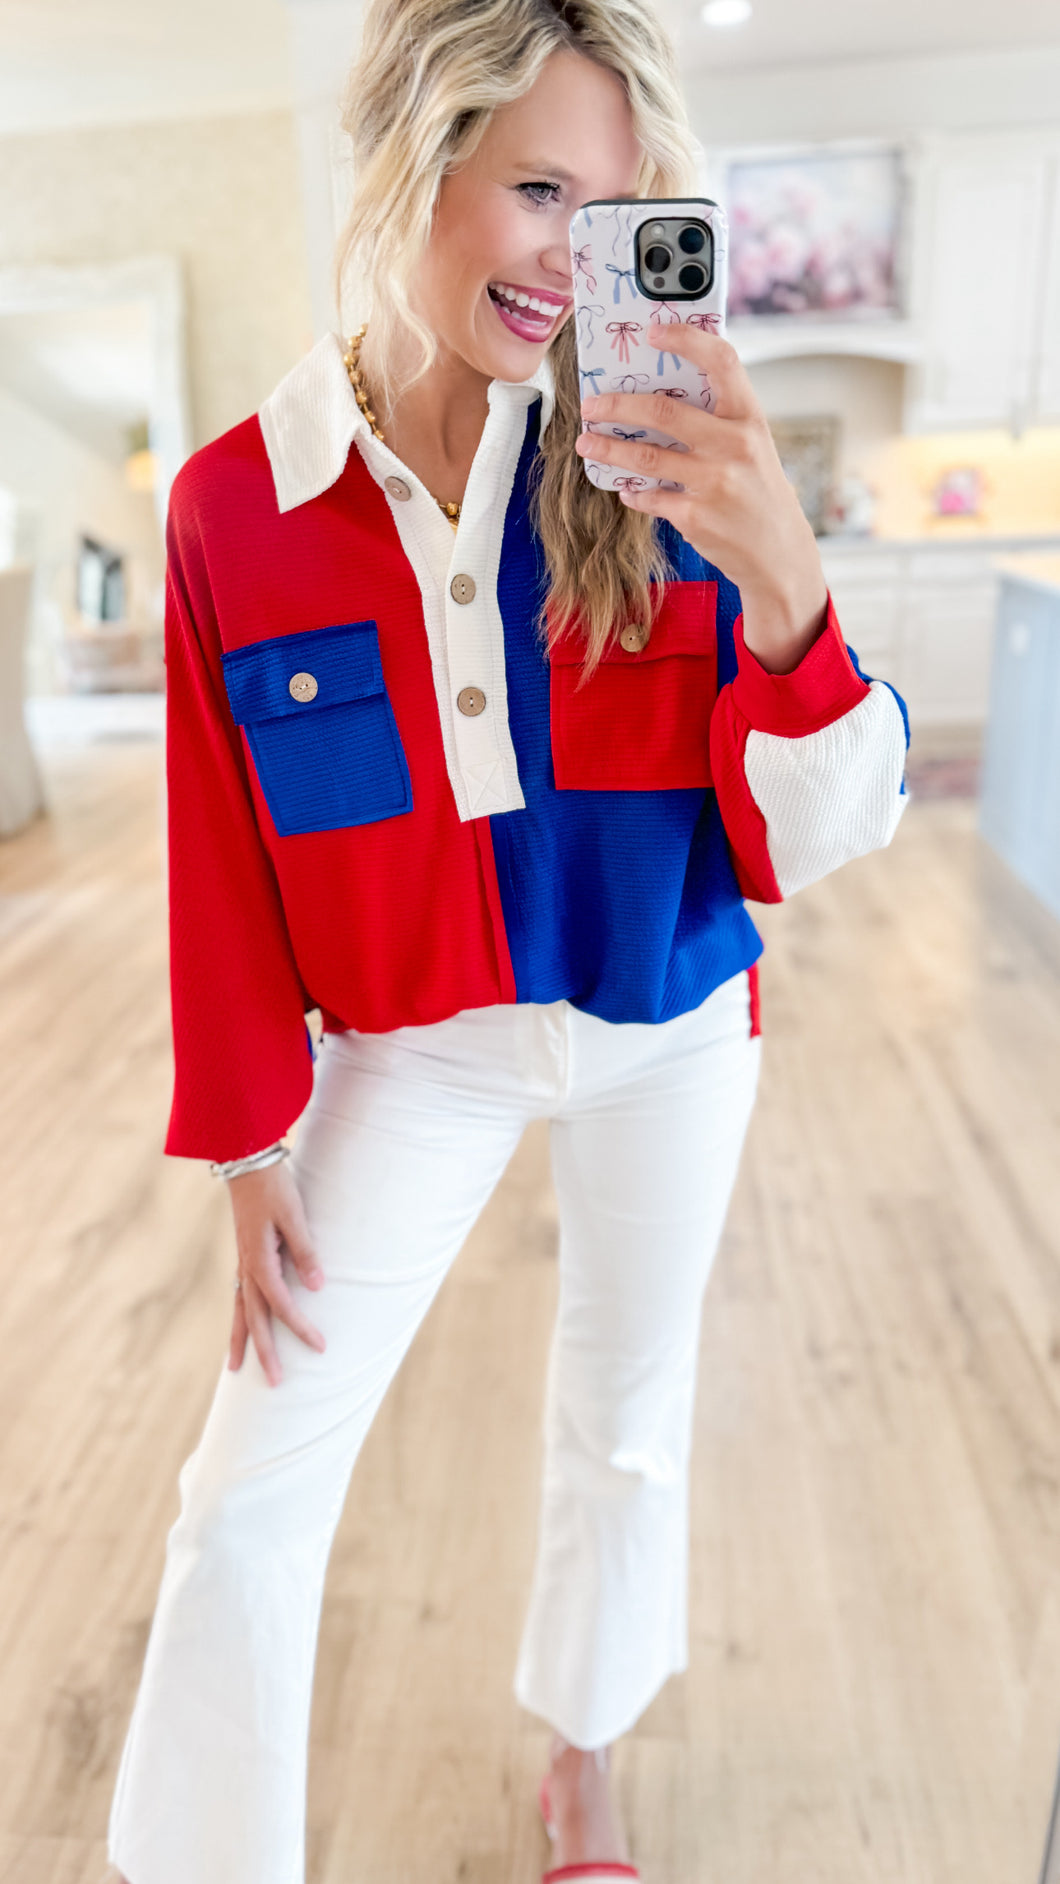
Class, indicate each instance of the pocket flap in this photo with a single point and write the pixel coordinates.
(330, 665)
(686, 624)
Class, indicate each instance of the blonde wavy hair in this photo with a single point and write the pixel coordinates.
(417, 102)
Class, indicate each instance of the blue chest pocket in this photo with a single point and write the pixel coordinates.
(320, 727)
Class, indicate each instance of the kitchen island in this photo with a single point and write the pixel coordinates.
(1020, 805)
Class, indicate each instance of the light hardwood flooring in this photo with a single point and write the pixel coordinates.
(874, 1695)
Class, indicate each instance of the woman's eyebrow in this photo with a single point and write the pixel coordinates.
(544, 168)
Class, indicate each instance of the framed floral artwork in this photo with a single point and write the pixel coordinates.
(815, 233)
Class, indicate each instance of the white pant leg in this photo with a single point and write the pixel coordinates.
(645, 1153)
(405, 1136)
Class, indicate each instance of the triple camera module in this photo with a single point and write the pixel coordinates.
(661, 249)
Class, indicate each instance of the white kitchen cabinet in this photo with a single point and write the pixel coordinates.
(947, 634)
(921, 616)
(984, 236)
(869, 613)
(1045, 400)
(866, 588)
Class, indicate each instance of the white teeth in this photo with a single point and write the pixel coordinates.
(519, 299)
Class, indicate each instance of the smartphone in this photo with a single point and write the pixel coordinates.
(635, 259)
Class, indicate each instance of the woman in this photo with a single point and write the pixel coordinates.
(509, 874)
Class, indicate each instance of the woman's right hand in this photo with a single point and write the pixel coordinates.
(270, 1222)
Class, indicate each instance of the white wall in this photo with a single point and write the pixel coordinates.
(62, 490)
(222, 194)
(91, 62)
(866, 395)
(324, 36)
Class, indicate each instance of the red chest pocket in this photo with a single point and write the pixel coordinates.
(642, 722)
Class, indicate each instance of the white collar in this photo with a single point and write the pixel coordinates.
(312, 418)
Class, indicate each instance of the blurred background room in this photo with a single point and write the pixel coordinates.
(875, 1690)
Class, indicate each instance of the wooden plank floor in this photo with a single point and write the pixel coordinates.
(875, 1689)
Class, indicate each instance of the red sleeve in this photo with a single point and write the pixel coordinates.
(241, 1047)
(823, 687)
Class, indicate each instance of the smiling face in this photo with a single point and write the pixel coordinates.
(502, 220)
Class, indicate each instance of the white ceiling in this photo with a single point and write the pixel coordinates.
(108, 61)
(811, 32)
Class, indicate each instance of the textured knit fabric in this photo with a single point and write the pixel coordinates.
(343, 834)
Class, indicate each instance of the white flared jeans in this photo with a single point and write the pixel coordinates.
(404, 1138)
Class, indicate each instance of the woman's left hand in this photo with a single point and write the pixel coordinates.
(737, 509)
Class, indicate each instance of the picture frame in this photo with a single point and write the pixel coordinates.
(817, 232)
(808, 449)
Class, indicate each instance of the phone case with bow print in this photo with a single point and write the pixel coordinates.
(612, 310)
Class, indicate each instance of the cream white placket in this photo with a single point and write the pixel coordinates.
(465, 639)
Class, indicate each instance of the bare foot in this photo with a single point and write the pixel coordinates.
(579, 1794)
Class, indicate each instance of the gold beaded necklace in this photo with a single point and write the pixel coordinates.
(351, 360)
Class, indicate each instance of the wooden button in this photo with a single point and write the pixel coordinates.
(633, 638)
(397, 487)
(462, 589)
(471, 700)
(302, 687)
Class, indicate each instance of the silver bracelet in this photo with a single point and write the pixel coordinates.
(258, 1161)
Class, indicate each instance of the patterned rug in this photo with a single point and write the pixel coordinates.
(956, 777)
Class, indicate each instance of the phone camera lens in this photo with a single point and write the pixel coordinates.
(658, 259)
(692, 277)
(691, 239)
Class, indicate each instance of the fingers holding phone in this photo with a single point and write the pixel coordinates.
(636, 261)
(673, 425)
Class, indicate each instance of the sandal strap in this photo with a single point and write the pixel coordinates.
(590, 1873)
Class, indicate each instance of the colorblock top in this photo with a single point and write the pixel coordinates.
(385, 800)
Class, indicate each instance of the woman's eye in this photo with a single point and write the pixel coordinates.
(552, 189)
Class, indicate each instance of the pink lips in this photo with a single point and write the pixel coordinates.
(515, 318)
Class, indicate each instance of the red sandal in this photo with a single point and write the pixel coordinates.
(601, 1873)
